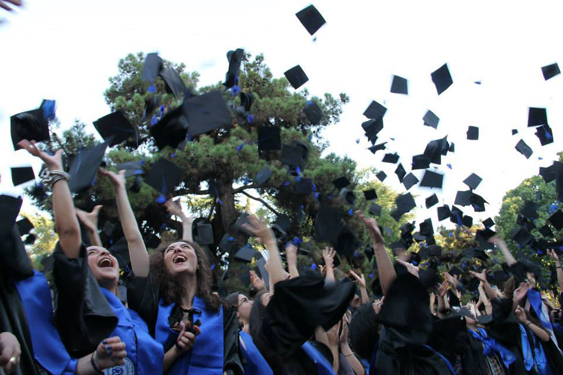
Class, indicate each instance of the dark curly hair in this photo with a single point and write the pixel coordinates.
(171, 288)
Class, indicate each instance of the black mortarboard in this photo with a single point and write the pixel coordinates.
(550, 71)
(311, 18)
(442, 79)
(341, 182)
(375, 209)
(556, 220)
(164, 176)
(431, 200)
(437, 148)
(433, 250)
(243, 219)
(471, 253)
(245, 254)
(537, 117)
(227, 242)
(84, 167)
(524, 149)
(483, 237)
(296, 77)
(348, 195)
(473, 133)
(204, 233)
(546, 231)
(430, 119)
(269, 138)
(246, 100)
(467, 221)
(473, 181)
(405, 203)
(399, 85)
(456, 216)
(132, 168)
(410, 180)
(207, 112)
(171, 130)
(151, 103)
(370, 194)
(377, 147)
(426, 228)
(420, 162)
(174, 83)
(292, 156)
(151, 67)
(432, 179)
(381, 176)
(477, 202)
(391, 158)
(115, 128)
(328, 224)
(137, 184)
(488, 223)
(235, 59)
(24, 226)
(303, 146)
(263, 176)
(372, 128)
(530, 210)
(444, 212)
(313, 112)
(544, 134)
(21, 175)
(400, 172)
(514, 131)
(31, 125)
(304, 186)
(500, 276)
(521, 236)
(375, 111)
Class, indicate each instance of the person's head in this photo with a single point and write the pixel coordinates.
(104, 266)
(363, 329)
(243, 304)
(176, 263)
(261, 301)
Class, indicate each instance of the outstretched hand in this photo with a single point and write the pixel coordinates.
(53, 162)
(259, 229)
(328, 256)
(360, 280)
(372, 228)
(89, 220)
(116, 179)
(553, 255)
(481, 276)
(410, 267)
(4, 4)
(174, 207)
(257, 283)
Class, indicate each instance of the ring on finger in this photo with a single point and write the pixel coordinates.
(14, 360)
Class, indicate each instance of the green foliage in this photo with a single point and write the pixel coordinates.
(46, 238)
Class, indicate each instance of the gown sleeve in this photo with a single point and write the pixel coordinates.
(83, 315)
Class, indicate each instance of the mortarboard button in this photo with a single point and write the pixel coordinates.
(430, 119)
(21, 175)
(399, 85)
(378, 147)
(410, 180)
(164, 176)
(311, 19)
(473, 133)
(151, 67)
(370, 194)
(550, 71)
(432, 179)
(524, 149)
(263, 176)
(115, 126)
(420, 162)
(206, 113)
(174, 83)
(204, 233)
(269, 138)
(537, 117)
(375, 209)
(444, 212)
(245, 254)
(442, 79)
(375, 111)
(431, 200)
(473, 181)
(30, 125)
(556, 220)
(235, 59)
(313, 112)
(341, 182)
(400, 172)
(544, 134)
(390, 158)
(84, 167)
(296, 76)
(381, 176)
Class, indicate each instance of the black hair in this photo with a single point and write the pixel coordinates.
(363, 331)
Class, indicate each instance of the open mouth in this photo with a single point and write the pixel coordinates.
(179, 259)
(105, 262)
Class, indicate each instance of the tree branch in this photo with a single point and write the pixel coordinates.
(212, 209)
(242, 188)
(261, 201)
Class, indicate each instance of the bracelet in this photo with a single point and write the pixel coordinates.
(528, 324)
(97, 370)
(50, 178)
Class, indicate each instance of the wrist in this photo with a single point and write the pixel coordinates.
(97, 369)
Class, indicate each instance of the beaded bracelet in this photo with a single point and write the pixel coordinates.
(50, 178)
(97, 370)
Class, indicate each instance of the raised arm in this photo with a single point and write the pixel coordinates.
(361, 282)
(174, 208)
(499, 242)
(291, 253)
(66, 223)
(386, 271)
(137, 250)
(558, 268)
(482, 277)
(90, 222)
(328, 256)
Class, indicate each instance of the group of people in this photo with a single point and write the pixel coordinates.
(167, 320)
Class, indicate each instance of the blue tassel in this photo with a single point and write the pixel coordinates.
(370, 275)
(297, 178)
(313, 266)
(415, 263)
(173, 155)
(317, 195)
(309, 103)
(548, 135)
(356, 254)
(297, 240)
(350, 212)
(286, 184)
(235, 90)
(450, 166)
(49, 109)
(297, 170)
(230, 239)
(249, 119)
(220, 201)
(239, 147)
(161, 199)
(314, 187)
(212, 267)
(358, 141)
(388, 231)
(162, 108)
(154, 120)
(151, 88)
(329, 197)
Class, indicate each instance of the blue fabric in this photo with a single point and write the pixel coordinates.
(452, 369)
(144, 353)
(490, 346)
(255, 362)
(323, 366)
(534, 356)
(535, 301)
(527, 353)
(371, 367)
(48, 349)
(206, 356)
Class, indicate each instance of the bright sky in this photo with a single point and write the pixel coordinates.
(66, 50)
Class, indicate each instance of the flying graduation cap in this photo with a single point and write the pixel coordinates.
(32, 125)
(430, 119)
(115, 128)
(164, 176)
(235, 59)
(550, 71)
(296, 76)
(442, 79)
(21, 175)
(399, 85)
(84, 167)
(375, 111)
(313, 112)
(523, 148)
(311, 19)
(473, 181)
(152, 67)
(174, 83)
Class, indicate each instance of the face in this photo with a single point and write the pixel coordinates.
(531, 278)
(103, 265)
(244, 306)
(180, 257)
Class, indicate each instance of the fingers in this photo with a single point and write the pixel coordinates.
(249, 228)
(97, 209)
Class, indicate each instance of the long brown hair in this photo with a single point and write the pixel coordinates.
(171, 288)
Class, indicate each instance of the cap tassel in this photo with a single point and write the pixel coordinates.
(151, 88)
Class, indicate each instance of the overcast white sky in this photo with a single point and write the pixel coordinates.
(66, 50)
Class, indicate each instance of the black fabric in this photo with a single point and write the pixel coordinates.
(83, 316)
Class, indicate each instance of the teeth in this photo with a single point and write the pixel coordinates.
(105, 262)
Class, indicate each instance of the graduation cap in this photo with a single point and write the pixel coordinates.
(171, 130)
(370, 194)
(400, 172)
(84, 167)
(30, 125)
(437, 148)
(410, 180)
(537, 117)
(206, 112)
(455, 271)
(432, 179)
(292, 156)
(375, 111)
(399, 85)
(467, 221)
(137, 184)
(372, 128)
(550, 71)
(204, 233)
(227, 243)
(544, 134)
(24, 226)
(430, 119)
(243, 219)
(391, 158)
(514, 131)
(311, 18)
(245, 254)
(174, 83)
(473, 181)
(235, 59)
(500, 276)
(442, 79)
(556, 220)
(328, 224)
(378, 147)
(120, 250)
(456, 216)
(348, 195)
(313, 112)
(296, 76)
(529, 210)
(521, 236)
(444, 212)
(472, 253)
(246, 100)
(151, 103)
(21, 175)
(473, 133)
(304, 186)
(546, 231)
(115, 128)
(263, 176)
(420, 162)
(341, 182)
(269, 138)
(381, 176)
(431, 200)
(164, 176)
(488, 223)
(405, 203)
(477, 202)
(524, 149)
(375, 209)
(426, 228)
(132, 168)
(151, 68)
